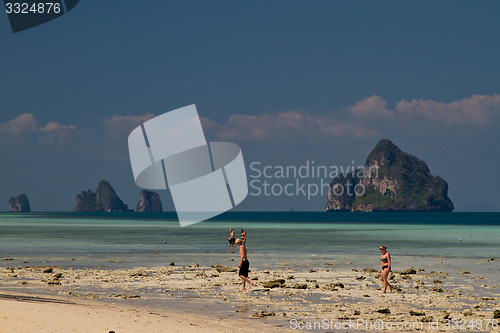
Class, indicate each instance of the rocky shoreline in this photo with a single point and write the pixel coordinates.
(281, 297)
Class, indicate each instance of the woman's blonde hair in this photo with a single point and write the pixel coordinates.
(383, 248)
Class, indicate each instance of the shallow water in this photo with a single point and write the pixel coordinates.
(287, 239)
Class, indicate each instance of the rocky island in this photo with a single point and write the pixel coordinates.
(104, 199)
(391, 180)
(19, 204)
(149, 201)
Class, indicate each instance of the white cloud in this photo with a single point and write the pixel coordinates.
(56, 127)
(122, 125)
(25, 126)
(477, 110)
(24, 123)
(371, 107)
(287, 126)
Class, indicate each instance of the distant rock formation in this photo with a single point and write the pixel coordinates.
(104, 199)
(391, 180)
(19, 204)
(149, 201)
(86, 202)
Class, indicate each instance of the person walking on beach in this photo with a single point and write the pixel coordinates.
(231, 238)
(244, 265)
(385, 267)
(243, 237)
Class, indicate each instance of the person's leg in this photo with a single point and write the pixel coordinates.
(243, 282)
(245, 279)
(385, 276)
(249, 282)
(387, 279)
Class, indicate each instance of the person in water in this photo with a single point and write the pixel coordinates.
(231, 237)
(244, 265)
(243, 237)
(385, 267)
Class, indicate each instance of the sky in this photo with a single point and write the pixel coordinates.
(293, 83)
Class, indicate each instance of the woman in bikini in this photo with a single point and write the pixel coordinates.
(385, 267)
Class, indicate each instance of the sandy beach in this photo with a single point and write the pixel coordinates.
(199, 298)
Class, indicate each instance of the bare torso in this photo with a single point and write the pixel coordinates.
(243, 253)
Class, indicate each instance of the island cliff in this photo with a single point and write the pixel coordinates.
(149, 201)
(19, 204)
(104, 199)
(391, 180)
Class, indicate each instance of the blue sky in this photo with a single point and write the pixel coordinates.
(289, 81)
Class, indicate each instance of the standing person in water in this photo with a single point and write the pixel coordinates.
(244, 265)
(231, 237)
(243, 237)
(385, 267)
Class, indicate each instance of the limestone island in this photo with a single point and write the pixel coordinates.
(391, 180)
(149, 201)
(104, 199)
(19, 204)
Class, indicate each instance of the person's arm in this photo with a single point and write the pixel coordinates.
(388, 259)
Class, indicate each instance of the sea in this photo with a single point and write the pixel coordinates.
(300, 240)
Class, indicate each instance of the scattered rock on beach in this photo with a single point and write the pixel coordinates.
(299, 286)
(274, 284)
(408, 271)
(221, 269)
(139, 273)
(124, 296)
(263, 314)
(437, 289)
(330, 287)
(496, 314)
(386, 310)
(48, 270)
(416, 313)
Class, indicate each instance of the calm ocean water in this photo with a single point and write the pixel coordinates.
(298, 239)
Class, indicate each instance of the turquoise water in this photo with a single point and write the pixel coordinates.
(299, 239)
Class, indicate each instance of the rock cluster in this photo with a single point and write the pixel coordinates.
(391, 180)
(149, 201)
(19, 204)
(104, 199)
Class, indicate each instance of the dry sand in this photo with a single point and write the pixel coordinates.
(206, 299)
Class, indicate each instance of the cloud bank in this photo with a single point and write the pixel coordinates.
(366, 119)
(369, 118)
